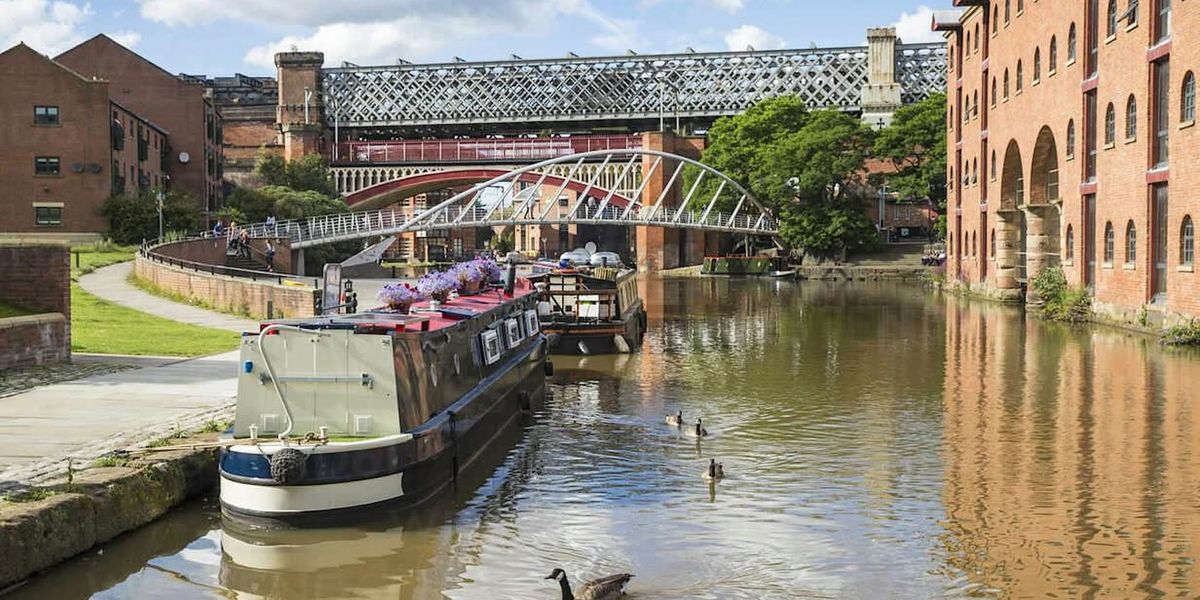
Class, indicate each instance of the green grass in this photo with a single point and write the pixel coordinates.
(30, 495)
(104, 327)
(94, 256)
(8, 310)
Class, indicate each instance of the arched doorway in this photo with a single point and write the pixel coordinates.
(1011, 255)
(1043, 211)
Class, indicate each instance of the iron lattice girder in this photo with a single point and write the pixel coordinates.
(709, 84)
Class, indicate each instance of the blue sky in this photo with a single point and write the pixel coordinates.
(220, 37)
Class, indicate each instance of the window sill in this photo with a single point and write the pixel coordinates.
(48, 125)
(1131, 26)
(1129, 267)
(1186, 124)
(47, 175)
(1130, 140)
(1070, 61)
(1110, 145)
(1036, 82)
(1108, 266)
(47, 225)
(1068, 263)
(1110, 39)
(1070, 157)
(1185, 269)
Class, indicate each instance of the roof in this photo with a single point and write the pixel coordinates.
(22, 47)
(101, 38)
(947, 20)
(140, 117)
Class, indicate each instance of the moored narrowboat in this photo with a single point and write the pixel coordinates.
(591, 310)
(343, 412)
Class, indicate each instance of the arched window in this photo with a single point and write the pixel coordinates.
(1187, 99)
(1071, 39)
(1110, 125)
(1070, 249)
(1020, 6)
(1007, 11)
(1132, 12)
(1037, 65)
(1006, 84)
(1187, 242)
(975, 102)
(995, 19)
(993, 165)
(993, 248)
(1130, 243)
(1110, 243)
(1112, 18)
(993, 92)
(1131, 118)
(975, 170)
(1053, 54)
(966, 47)
(976, 48)
(1071, 138)
(974, 244)
(1020, 77)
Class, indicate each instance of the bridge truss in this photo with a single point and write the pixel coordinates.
(694, 208)
(692, 85)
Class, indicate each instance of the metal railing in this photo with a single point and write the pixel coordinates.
(150, 251)
(479, 150)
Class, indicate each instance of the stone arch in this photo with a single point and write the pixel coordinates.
(1040, 238)
(1043, 172)
(1012, 178)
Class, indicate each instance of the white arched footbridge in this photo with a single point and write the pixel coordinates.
(533, 195)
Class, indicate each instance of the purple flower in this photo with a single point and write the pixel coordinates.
(399, 293)
(468, 273)
(491, 271)
(437, 284)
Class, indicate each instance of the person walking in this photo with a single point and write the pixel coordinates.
(244, 244)
(270, 256)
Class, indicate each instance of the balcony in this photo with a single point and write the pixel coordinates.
(507, 150)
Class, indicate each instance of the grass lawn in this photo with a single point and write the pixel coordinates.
(94, 256)
(101, 326)
(8, 310)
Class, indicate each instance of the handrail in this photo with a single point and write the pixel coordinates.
(148, 250)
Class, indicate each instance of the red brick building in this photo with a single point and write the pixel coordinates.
(1065, 120)
(66, 146)
(180, 105)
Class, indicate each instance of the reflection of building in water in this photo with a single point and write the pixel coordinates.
(1070, 460)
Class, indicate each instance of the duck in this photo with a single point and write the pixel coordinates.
(675, 419)
(698, 431)
(715, 472)
(604, 588)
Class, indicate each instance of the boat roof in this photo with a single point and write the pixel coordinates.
(421, 317)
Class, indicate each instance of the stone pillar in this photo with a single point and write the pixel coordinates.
(1006, 250)
(881, 95)
(693, 247)
(657, 248)
(298, 261)
(1036, 243)
(299, 80)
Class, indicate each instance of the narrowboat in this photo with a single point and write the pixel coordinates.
(590, 310)
(345, 412)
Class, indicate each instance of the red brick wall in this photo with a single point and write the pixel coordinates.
(36, 277)
(230, 293)
(34, 340)
(82, 137)
(1121, 187)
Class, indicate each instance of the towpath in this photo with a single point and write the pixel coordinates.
(112, 283)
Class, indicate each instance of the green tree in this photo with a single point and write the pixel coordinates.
(307, 174)
(134, 218)
(915, 145)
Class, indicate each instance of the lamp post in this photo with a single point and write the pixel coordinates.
(159, 198)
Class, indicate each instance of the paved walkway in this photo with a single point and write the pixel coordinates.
(111, 283)
(85, 418)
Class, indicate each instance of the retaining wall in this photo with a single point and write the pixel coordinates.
(35, 277)
(34, 340)
(229, 294)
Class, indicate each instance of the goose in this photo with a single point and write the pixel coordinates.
(675, 419)
(698, 431)
(604, 588)
(714, 472)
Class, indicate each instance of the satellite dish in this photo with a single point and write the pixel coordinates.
(94, 167)
(184, 158)
(590, 248)
(77, 168)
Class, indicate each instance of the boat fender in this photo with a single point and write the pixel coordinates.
(642, 320)
(552, 339)
(288, 466)
(523, 399)
(621, 343)
(548, 367)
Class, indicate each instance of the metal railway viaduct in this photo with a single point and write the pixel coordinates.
(394, 131)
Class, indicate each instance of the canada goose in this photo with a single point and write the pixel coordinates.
(698, 431)
(714, 472)
(604, 588)
(675, 419)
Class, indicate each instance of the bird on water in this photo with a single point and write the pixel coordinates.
(714, 472)
(675, 419)
(697, 431)
(604, 588)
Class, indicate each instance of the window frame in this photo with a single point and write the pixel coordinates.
(46, 119)
(1187, 242)
(1110, 125)
(1130, 243)
(1072, 45)
(1187, 99)
(1110, 243)
(47, 166)
(1069, 254)
(38, 220)
(1131, 120)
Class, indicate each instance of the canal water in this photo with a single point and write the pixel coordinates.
(880, 442)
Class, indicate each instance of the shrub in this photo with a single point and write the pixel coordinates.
(1183, 335)
(1062, 302)
(133, 219)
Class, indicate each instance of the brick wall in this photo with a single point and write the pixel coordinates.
(35, 277)
(229, 293)
(212, 252)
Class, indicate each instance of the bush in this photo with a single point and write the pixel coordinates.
(1062, 302)
(133, 219)
(1183, 335)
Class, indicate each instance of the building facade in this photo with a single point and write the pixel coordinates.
(1065, 120)
(179, 105)
(65, 147)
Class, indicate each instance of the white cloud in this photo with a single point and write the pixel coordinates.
(730, 6)
(48, 27)
(372, 43)
(749, 35)
(126, 38)
(914, 27)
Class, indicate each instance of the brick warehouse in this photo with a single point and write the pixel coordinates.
(67, 146)
(1064, 119)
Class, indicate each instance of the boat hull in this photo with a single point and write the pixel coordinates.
(342, 480)
(576, 339)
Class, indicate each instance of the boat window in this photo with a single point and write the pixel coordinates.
(491, 346)
(531, 322)
(512, 329)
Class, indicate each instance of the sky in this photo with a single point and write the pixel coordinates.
(223, 37)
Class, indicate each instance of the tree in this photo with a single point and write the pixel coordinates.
(134, 218)
(915, 145)
(307, 174)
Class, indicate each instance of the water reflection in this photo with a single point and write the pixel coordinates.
(879, 442)
(1070, 456)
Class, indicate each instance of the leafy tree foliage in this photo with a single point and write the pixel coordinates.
(134, 218)
(915, 145)
(307, 174)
